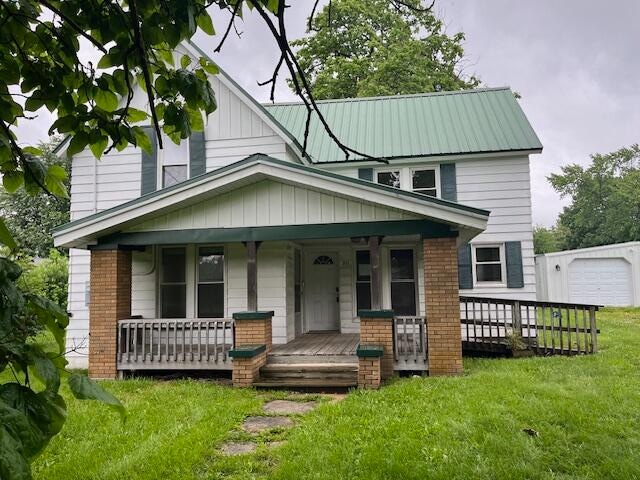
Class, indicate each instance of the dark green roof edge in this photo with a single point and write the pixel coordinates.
(262, 157)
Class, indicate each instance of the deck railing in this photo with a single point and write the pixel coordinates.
(410, 343)
(546, 327)
(181, 344)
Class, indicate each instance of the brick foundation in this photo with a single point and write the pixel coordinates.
(110, 301)
(246, 370)
(369, 373)
(442, 306)
(376, 328)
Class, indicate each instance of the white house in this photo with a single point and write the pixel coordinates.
(605, 275)
(333, 236)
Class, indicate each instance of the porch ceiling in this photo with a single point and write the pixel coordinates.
(365, 209)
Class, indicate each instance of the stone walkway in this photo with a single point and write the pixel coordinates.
(277, 417)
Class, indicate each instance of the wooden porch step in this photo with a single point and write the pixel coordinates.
(306, 383)
(274, 358)
(310, 367)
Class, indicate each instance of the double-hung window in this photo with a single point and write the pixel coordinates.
(423, 180)
(403, 282)
(173, 283)
(174, 161)
(390, 178)
(210, 288)
(363, 280)
(489, 263)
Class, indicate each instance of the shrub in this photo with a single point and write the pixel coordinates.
(47, 277)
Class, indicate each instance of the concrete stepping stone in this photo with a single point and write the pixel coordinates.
(276, 444)
(288, 407)
(260, 424)
(237, 448)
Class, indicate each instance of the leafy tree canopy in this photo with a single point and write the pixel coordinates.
(32, 217)
(547, 240)
(605, 199)
(359, 48)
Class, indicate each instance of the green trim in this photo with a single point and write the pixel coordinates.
(259, 157)
(424, 228)
(375, 313)
(369, 351)
(247, 351)
(253, 315)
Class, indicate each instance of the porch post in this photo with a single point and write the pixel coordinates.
(252, 276)
(374, 257)
(110, 301)
(444, 340)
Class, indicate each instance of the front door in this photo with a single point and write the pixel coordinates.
(322, 294)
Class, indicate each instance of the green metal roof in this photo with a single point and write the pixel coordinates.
(442, 123)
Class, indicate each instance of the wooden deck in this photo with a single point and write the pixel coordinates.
(320, 343)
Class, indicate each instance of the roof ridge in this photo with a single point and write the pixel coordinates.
(392, 97)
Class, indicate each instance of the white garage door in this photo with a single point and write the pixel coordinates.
(601, 281)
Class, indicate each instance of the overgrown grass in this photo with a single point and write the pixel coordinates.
(585, 410)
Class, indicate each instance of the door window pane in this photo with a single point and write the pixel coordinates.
(210, 288)
(173, 174)
(363, 280)
(403, 285)
(391, 179)
(424, 181)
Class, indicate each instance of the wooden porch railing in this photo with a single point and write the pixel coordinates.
(181, 344)
(548, 328)
(410, 343)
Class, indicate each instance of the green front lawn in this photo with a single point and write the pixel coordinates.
(585, 411)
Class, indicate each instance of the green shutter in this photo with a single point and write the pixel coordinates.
(448, 188)
(149, 177)
(513, 254)
(197, 155)
(365, 174)
(465, 272)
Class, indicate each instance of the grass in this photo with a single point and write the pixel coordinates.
(585, 411)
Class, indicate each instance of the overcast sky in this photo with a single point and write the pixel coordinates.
(575, 63)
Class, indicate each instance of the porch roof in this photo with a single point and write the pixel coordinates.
(428, 215)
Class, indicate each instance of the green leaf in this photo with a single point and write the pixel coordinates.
(185, 61)
(64, 124)
(5, 236)
(83, 388)
(142, 139)
(106, 100)
(77, 143)
(209, 66)
(205, 23)
(12, 180)
(45, 369)
(98, 147)
(13, 465)
(134, 115)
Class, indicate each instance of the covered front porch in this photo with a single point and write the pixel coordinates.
(231, 269)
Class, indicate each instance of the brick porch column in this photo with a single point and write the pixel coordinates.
(376, 329)
(110, 301)
(252, 343)
(444, 340)
(369, 356)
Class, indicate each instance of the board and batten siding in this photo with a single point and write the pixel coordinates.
(269, 203)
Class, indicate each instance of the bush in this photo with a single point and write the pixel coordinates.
(47, 277)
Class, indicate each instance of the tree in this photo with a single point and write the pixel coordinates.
(31, 218)
(359, 48)
(546, 240)
(605, 199)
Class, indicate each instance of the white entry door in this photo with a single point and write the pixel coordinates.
(322, 294)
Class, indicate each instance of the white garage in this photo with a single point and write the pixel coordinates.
(606, 275)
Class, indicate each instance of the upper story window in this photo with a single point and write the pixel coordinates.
(424, 181)
(174, 162)
(488, 263)
(390, 178)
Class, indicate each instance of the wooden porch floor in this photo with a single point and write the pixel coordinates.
(320, 343)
